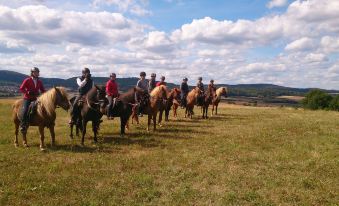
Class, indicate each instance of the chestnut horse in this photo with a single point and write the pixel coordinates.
(222, 91)
(191, 98)
(92, 109)
(45, 115)
(173, 98)
(157, 98)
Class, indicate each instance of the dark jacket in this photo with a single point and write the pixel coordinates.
(200, 86)
(184, 88)
(88, 86)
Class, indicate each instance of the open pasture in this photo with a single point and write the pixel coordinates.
(243, 156)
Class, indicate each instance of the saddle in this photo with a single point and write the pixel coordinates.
(32, 110)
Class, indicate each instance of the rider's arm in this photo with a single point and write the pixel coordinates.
(23, 87)
(81, 83)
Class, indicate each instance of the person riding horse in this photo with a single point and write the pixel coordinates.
(200, 86)
(152, 83)
(85, 84)
(112, 92)
(184, 91)
(162, 81)
(211, 86)
(142, 84)
(30, 87)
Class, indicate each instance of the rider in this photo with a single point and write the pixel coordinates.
(112, 92)
(211, 86)
(200, 86)
(85, 84)
(30, 87)
(162, 81)
(152, 83)
(184, 91)
(144, 85)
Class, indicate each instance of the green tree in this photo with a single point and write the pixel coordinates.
(317, 99)
(334, 104)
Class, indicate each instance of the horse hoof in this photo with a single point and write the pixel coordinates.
(26, 145)
(160, 125)
(16, 145)
(42, 149)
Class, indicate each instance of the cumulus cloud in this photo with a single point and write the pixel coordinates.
(276, 3)
(302, 44)
(136, 7)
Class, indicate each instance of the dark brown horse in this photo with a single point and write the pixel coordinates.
(222, 91)
(45, 115)
(91, 108)
(124, 107)
(173, 97)
(208, 97)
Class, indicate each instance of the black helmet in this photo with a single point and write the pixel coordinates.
(153, 75)
(162, 77)
(200, 78)
(112, 75)
(185, 79)
(212, 81)
(142, 74)
(35, 69)
(86, 70)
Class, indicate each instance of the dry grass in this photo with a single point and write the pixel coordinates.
(244, 156)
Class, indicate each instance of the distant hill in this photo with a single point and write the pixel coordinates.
(10, 82)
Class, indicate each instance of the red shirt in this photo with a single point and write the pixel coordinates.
(112, 88)
(161, 83)
(30, 90)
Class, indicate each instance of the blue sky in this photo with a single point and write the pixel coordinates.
(286, 42)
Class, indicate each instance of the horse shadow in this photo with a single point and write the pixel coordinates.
(74, 148)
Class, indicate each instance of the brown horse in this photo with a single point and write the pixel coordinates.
(222, 91)
(191, 99)
(92, 109)
(156, 101)
(45, 115)
(208, 97)
(173, 98)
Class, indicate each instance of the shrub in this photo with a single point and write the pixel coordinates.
(317, 99)
(334, 104)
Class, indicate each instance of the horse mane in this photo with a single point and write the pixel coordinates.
(220, 91)
(157, 90)
(47, 100)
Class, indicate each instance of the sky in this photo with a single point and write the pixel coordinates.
(291, 43)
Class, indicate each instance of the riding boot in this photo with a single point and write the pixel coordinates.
(25, 118)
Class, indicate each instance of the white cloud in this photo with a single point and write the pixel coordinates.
(136, 7)
(276, 3)
(302, 44)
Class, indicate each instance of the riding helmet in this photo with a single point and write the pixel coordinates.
(112, 75)
(212, 81)
(86, 70)
(35, 69)
(185, 79)
(162, 77)
(142, 74)
(153, 75)
(200, 78)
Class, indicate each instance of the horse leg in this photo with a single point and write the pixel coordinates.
(71, 128)
(206, 112)
(149, 117)
(154, 121)
(216, 109)
(51, 130)
(95, 126)
(212, 109)
(42, 138)
(160, 117)
(123, 123)
(24, 137)
(84, 124)
(166, 115)
(16, 142)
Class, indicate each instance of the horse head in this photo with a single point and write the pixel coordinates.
(61, 99)
(176, 94)
(101, 99)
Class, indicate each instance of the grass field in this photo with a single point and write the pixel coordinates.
(244, 156)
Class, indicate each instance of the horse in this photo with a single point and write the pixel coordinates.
(92, 109)
(156, 101)
(124, 107)
(173, 98)
(44, 116)
(191, 100)
(222, 91)
(207, 100)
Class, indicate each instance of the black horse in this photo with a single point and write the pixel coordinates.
(124, 105)
(91, 108)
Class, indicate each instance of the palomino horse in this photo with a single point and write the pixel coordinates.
(209, 95)
(45, 115)
(124, 107)
(92, 109)
(173, 98)
(156, 101)
(191, 98)
(222, 91)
